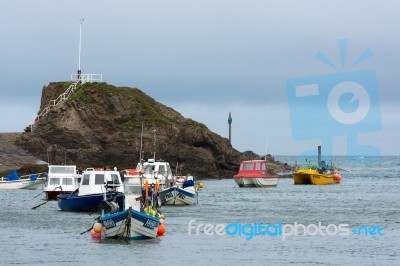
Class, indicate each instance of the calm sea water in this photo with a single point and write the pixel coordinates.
(368, 196)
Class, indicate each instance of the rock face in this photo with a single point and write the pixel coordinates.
(101, 125)
(14, 157)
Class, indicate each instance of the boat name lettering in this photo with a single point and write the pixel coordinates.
(109, 223)
(181, 196)
(169, 195)
(150, 224)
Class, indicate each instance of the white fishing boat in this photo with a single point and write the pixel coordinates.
(153, 171)
(61, 179)
(14, 181)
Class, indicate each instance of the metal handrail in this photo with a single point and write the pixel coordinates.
(87, 78)
(76, 79)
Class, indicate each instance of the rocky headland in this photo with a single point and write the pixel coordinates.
(101, 125)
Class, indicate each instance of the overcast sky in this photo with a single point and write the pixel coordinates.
(208, 58)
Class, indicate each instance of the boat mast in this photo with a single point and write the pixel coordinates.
(141, 150)
(319, 155)
(154, 152)
(80, 46)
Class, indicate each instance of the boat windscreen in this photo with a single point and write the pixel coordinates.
(62, 169)
(12, 176)
(33, 177)
(248, 166)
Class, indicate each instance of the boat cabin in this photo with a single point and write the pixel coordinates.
(153, 170)
(99, 181)
(253, 168)
(65, 176)
(253, 165)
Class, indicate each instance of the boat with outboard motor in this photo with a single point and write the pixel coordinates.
(140, 220)
(310, 173)
(95, 186)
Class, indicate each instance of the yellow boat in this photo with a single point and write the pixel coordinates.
(312, 173)
(325, 179)
(303, 174)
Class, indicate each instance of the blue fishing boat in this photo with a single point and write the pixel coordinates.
(140, 225)
(180, 194)
(91, 202)
(97, 185)
(140, 219)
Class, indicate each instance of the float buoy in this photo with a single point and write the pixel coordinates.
(95, 235)
(97, 227)
(337, 177)
(161, 229)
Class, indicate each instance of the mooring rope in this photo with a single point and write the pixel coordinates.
(128, 223)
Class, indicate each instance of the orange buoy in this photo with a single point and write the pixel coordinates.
(97, 227)
(161, 230)
(337, 177)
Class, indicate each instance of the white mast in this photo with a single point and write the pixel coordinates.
(80, 46)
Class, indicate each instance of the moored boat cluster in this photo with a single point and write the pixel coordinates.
(129, 201)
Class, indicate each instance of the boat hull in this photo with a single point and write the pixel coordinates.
(178, 196)
(316, 174)
(85, 203)
(256, 181)
(20, 184)
(325, 179)
(52, 195)
(140, 225)
(254, 173)
(302, 178)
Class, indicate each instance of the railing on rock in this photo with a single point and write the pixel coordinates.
(76, 79)
(87, 78)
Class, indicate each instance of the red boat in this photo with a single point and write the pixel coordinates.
(254, 174)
